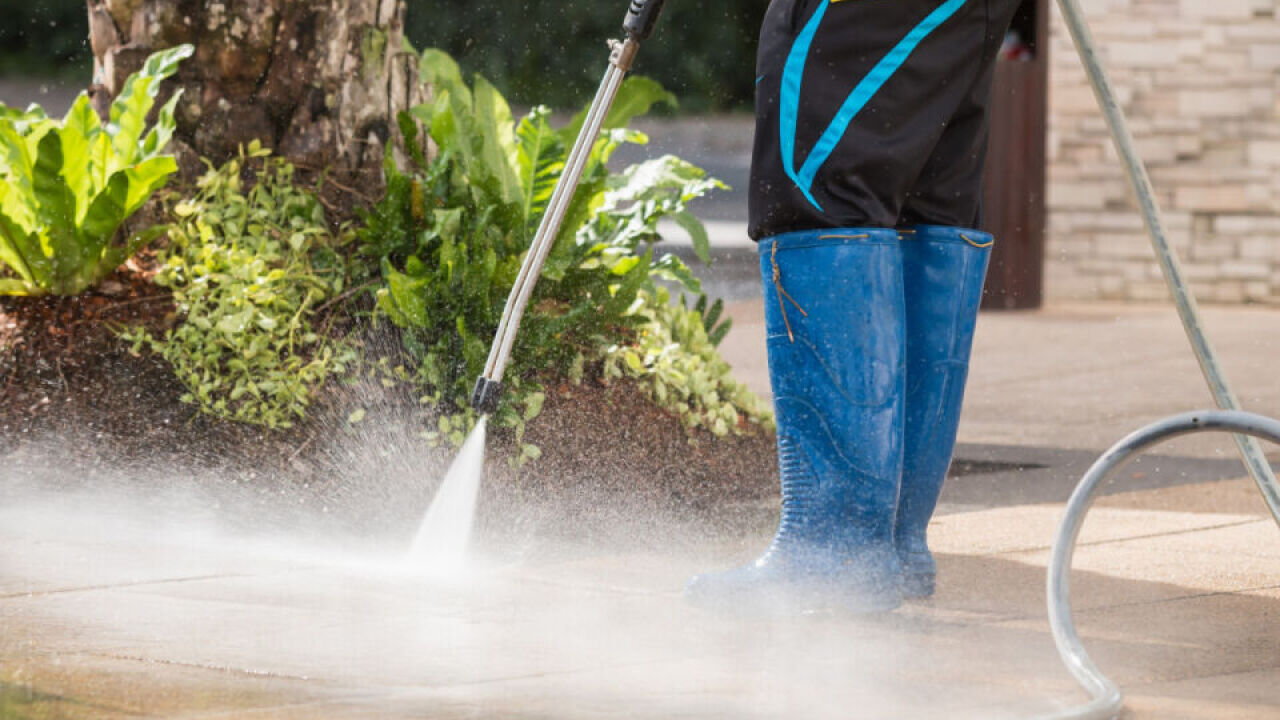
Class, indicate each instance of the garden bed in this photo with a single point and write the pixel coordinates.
(291, 343)
(78, 409)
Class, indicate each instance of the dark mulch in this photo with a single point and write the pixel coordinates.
(77, 408)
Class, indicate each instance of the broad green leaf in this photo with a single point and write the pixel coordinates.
(162, 132)
(18, 203)
(625, 293)
(236, 323)
(697, 233)
(9, 286)
(440, 71)
(406, 293)
(624, 265)
(100, 158)
(667, 175)
(636, 97)
(116, 255)
(19, 163)
(533, 405)
(441, 121)
(79, 129)
(20, 250)
(673, 268)
(128, 120)
(56, 209)
(609, 142)
(541, 160)
(448, 223)
(586, 201)
(495, 156)
(128, 114)
(104, 216)
(165, 63)
(145, 178)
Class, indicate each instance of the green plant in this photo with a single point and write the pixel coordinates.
(249, 271)
(67, 187)
(451, 232)
(674, 356)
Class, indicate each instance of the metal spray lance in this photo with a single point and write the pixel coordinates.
(642, 15)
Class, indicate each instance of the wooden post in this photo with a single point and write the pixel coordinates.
(1014, 184)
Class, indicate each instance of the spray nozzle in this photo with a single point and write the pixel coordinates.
(484, 398)
(642, 15)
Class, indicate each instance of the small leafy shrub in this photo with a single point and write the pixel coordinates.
(451, 233)
(674, 356)
(249, 271)
(67, 186)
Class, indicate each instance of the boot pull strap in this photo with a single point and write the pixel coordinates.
(782, 293)
(975, 243)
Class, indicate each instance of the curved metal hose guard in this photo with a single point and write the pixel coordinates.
(1107, 698)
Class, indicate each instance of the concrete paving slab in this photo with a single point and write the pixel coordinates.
(588, 636)
(1248, 695)
(1183, 639)
(1231, 497)
(83, 685)
(589, 641)
(1034, 527)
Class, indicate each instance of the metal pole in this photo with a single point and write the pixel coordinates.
(549, 227)
(642, 16)
(1183, 298)
(489, 385)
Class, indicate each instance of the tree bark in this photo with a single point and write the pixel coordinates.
(319, 81)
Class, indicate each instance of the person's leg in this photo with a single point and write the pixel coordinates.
(943, 272)
(944, 266)
(852, 99)
(833, 309)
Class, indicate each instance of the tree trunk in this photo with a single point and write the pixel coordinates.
(320, 81)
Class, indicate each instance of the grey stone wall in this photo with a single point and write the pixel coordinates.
(1200, 83)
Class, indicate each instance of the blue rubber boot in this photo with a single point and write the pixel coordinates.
(943, 271)
(834, 315)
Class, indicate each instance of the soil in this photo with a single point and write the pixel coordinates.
(78, 409)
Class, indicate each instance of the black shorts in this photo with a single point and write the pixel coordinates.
(873, 113)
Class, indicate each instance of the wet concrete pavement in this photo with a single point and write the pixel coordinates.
(184, 629)
(1177, 586)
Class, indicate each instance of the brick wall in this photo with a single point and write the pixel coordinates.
(1199, 81)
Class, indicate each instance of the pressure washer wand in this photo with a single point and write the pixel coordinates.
(642, 15)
